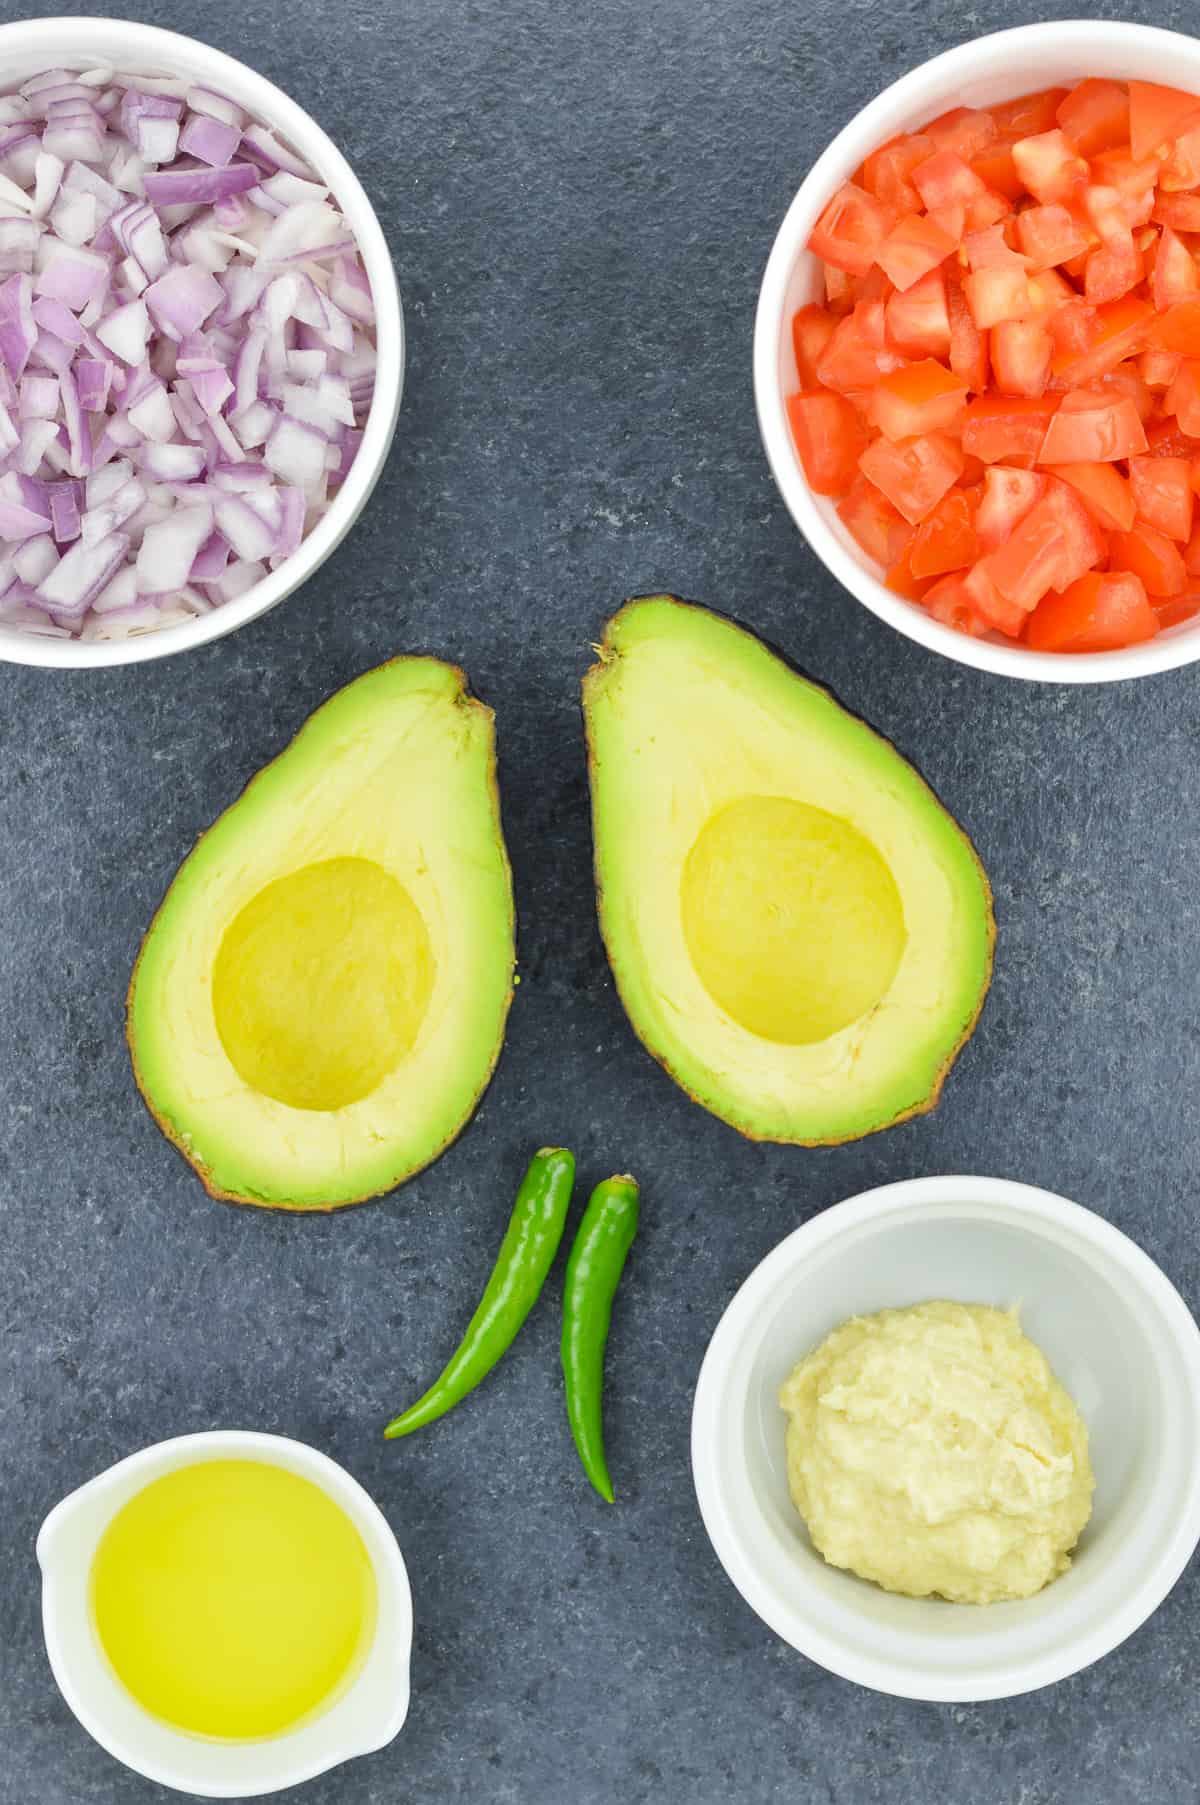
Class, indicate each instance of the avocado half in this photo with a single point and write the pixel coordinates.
(799, 931)
(321, 998)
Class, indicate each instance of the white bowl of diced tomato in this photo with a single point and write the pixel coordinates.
(977, 353)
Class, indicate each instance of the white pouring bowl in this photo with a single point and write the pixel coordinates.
(976, 74)
(32, 45)
(365, 1717)
(1115, 1331)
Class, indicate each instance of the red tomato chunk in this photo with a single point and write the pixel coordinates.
(1000, 387)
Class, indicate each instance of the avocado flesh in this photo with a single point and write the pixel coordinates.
(321, 997)
(799, 931)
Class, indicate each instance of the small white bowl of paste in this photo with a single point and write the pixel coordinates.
(1120, 1347)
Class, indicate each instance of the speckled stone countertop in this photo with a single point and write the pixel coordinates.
(580, 200)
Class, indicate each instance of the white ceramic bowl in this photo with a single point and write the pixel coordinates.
(365, 1717)
(35, 44)
(974, 74)
(1116, 1333)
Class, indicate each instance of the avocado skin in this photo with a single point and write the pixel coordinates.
(179, 1138)
(606, 653)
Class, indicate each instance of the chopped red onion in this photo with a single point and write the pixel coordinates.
(126, 331)
(172, 187)
(64, 512)
(210, 141)
(35, 558)
(215, 106)
(186, 352)
(169, 549)
(81, 574)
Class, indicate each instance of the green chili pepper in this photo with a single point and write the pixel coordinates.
(593, 1271)
(526, 1256)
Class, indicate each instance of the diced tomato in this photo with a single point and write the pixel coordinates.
(887, 172)
(1181, 167)
(997, 171)
(829, 438)
(1181, 211)
(1105, 493)
(968, 346)
(1158, 369)
(1049, 293)
(1053, 545)
(913, 475)
(1175, 273)
(922, 398)
(990, 249)
(1127, 380)
(1162, 494)
(1151, 556)
(1156, 115)
(997, 294)
(994, 610)
(900, 579)
(1029, 561)
(1028, 114)
(1085, 545)
(918, 322)
(1100, 612)
(944, 179)
(839, 290)
(1050, 235)
(952, 220)
(987, 209)
(850, 230)
(1104, 208)
(1092, 427)
(874, 523)
(858, 353)
(946, 539)
(963, 130)
(1166, 439)
(1111, 271)
(1121, 329)
(1021, 354)
(1095, 116)
(1133, 179)
(1183, 397)
(812, 329)
(1178, 329)
(874, 286)
(1176, 609)
(1007, 430)
(913, 247)
(950, 602)
(1075, 328)
(1191, 554)
(1008, 495)
(1050, 166)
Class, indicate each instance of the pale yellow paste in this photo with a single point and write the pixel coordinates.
(932, 1450)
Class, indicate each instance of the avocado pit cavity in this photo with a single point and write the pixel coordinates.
(792, 918)
(322, 983)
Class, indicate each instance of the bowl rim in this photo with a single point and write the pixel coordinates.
(70, 41)
(1012, 1199)
(863, 131)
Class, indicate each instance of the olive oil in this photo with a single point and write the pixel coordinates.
(233, 1599)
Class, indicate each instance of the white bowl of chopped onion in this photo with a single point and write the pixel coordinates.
(201, 344)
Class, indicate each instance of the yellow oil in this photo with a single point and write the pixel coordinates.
(233, 1599)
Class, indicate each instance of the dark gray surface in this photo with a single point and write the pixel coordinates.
(580, 200)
